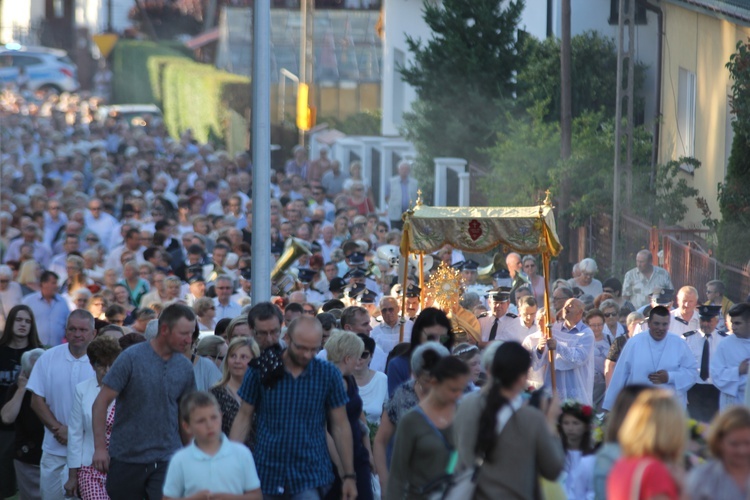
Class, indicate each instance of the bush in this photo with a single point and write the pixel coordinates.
(192, 95)
(130, 66)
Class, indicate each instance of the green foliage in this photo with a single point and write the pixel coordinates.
(734, 197)
(671, 190)
(526, 161)
(362, 123)
(130, 67)
(594, 74)
(462, 76)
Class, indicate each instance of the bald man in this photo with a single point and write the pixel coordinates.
(573, 343)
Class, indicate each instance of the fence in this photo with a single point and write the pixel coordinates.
(681, 251)
(688, 264)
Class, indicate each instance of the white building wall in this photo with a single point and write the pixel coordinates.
(18, 14)
(93, 15)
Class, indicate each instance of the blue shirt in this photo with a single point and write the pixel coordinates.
(231, 470)
(51, 317)
(291, 426)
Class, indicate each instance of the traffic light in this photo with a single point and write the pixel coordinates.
(305, 113)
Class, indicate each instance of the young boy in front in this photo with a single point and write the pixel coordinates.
(211, 467)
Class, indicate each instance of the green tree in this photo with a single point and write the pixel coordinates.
(594, 59)
(734, 197)
(525, 161)
(463, 75)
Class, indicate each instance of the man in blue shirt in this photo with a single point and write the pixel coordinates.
(50, 310)
(292, 395)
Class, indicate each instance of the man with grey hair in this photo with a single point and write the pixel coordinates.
(225, 307)
(29, 236)
(52, 383)
(401, 190)
(643, 279)
(387, 332)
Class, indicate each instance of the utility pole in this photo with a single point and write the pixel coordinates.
(109, 17)
(307, 31)
(623, 122)
(261, 248)
(566, 128)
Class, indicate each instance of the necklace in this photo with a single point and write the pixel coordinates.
(654, 345)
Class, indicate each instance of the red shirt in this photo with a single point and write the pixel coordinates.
(655, 480)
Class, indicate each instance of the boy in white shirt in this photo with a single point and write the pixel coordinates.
(212, 466)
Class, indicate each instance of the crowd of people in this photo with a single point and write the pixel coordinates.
(133, 363)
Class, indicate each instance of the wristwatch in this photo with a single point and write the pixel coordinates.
(349, 476)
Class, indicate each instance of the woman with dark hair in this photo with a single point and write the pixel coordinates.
(517, 443)
(373, 385)
(432, 325)
(18, 337)
(423, 448)
(406, 397)
(614, 286)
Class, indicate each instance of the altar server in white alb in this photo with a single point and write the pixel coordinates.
(729, 366)
(655, 357)
(573, 343)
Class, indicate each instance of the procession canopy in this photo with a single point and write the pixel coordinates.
(526, 230)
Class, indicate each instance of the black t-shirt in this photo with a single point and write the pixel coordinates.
(616, 348)
(29, 431)
(10, 367)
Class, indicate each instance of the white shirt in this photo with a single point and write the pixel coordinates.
(486, 322)
(231, 310)
(518, 331)
(54, 378)
(374, 395)
(643, 355)
(678, 325)
(103, 226)
(695, 342)
(725, 373)
(539, 360)
(387, 337)
(80, 429)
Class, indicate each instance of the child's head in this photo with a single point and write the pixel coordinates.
(201, 416)
(574, 426)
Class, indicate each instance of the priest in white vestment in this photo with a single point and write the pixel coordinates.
(730, 364)
(654, 358)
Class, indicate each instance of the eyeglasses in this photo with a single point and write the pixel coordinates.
(4, 281)
(610, 315)
(365, 355)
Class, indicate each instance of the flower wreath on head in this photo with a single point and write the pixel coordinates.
(581, 411)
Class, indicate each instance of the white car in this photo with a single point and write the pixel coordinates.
(47, 69)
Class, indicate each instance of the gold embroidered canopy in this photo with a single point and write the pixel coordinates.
(526, 230)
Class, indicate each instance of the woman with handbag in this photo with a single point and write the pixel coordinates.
(652, 437)
(423, 451)
(510, 443)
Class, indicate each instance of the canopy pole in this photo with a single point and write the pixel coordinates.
(404, 286)
(421, 281)
(548, 319)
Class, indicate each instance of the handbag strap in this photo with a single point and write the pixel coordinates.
(635, 484)
(453, 459)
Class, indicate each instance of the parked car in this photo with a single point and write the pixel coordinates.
(134, 114)
(46, 69)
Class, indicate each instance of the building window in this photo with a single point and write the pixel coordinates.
(614, 12)
(686, 115)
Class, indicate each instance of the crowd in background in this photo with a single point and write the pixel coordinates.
(126, 285)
